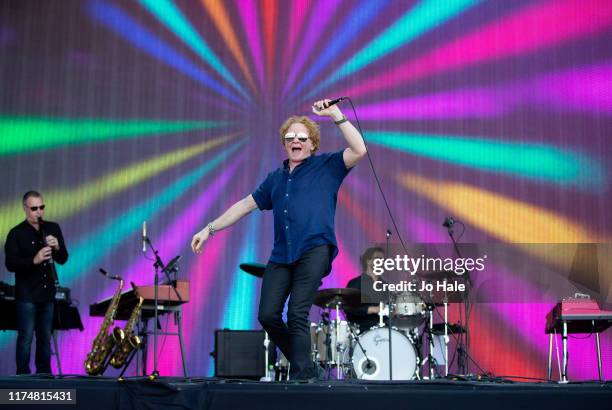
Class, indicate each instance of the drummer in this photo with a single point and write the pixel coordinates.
(366, 315)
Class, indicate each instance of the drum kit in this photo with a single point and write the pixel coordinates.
(364, 353)
(382, 352)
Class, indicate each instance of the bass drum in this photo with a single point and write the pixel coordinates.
(376, 344)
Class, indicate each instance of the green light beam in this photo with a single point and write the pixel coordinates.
(28, 134)
(84, 254)
(528, 160)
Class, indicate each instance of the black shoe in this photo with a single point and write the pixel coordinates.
(319, 374)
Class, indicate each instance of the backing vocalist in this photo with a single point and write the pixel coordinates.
(30, 254)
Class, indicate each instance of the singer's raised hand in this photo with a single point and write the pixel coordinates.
(198, 240)
(52, 242)
(321, 108)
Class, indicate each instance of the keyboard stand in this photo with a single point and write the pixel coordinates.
(144, 333)
(576, 325)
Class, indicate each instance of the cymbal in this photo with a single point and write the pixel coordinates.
(254, 268)
(335, 296)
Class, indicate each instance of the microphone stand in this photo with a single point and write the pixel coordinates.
(157, 265)
(466, 301)
(388, 236)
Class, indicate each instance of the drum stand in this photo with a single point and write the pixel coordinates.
(266, 345)
(430, 357)
(338, 347)
(446, 338)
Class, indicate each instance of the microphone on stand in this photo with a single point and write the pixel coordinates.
(144, 236)
(105, 273)
(449, 221)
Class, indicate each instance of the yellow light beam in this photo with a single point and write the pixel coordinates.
(221, 19)
(491, 212)
(65, 202)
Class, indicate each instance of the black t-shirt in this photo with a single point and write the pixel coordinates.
(33, 283)
(360, 314)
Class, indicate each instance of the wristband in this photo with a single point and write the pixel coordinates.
(211, 229)
(341, 120)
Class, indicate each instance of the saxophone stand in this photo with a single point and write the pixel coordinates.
(133, 354)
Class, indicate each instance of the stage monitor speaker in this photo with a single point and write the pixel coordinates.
(239, 354)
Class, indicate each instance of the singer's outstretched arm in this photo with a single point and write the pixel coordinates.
(227, 219)
(356, 146)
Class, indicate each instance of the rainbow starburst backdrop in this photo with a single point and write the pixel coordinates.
(497, 112)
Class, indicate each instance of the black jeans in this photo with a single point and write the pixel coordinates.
(34, 317)
(301, 280)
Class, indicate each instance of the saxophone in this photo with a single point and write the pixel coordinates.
(131, 342)
(104, 343)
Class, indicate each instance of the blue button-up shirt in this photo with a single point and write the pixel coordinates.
(304, 205)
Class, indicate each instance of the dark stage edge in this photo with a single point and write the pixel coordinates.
(210, 393)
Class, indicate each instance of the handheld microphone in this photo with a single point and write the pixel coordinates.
(144, 236)
(334, 101)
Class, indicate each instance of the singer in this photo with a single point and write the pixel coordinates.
(30, 254)
(302, 195)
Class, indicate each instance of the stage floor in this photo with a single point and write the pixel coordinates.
(210, 393)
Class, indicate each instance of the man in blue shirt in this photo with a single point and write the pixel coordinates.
(302, 195)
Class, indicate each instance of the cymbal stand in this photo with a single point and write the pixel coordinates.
(446, 338)
(266, 344)
(432, 373)
(338, 347)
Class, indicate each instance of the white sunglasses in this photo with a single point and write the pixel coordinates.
(290, 136)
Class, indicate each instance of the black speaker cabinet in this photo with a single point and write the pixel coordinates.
(239, 354)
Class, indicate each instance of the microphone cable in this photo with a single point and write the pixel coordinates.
(376, 178)
(390, 213)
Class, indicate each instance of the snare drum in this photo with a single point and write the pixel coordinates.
(376, 344)
(409, 304)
